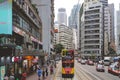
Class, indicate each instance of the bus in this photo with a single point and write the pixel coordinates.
(67, 63)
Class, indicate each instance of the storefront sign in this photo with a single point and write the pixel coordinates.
(6, 17)
(18, 31)
(33, 39)
(2, 72)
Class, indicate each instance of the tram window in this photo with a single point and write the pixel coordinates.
(68, 65)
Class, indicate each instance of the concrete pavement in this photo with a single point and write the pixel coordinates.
(35, 77)
(49, 77)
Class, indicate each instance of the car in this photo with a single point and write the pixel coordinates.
(90, 62)
(114, 69)
(79, 60)
(100, 67)
(83, 61)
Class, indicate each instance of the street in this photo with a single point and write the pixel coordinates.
(86, 72)
(82, 72)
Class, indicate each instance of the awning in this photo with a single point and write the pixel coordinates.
(8, 45)
(33, 53)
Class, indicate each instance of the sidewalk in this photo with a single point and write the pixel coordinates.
(35, 77)
(49, 77)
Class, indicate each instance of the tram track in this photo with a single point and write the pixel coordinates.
(81, 74)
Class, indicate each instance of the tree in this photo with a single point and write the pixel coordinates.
(111, 49)
(58, 48)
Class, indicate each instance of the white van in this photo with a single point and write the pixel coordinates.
(107, 61)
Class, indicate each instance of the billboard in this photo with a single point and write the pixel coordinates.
(6, 17)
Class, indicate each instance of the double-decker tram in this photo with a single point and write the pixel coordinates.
(67, 63)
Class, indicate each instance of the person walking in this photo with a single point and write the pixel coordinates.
(46, 71)
(24, 75)
(43, 74)
(39, 72)
(6, 77)
(12, 77)
(51, 69)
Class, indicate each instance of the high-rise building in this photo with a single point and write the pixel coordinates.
(74, 16)
(66, 36)
(118, 30)
(74, 23)
(25, 38)
(75, 46)
(91, 29)
(112, 25)
(109, 27)
(62, 16)
(46, 12)
(96, 27)
(104, 2)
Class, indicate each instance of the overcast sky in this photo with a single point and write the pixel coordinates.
(68, 4)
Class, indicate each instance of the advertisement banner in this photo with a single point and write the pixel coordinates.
(2, 72)
(6, 17)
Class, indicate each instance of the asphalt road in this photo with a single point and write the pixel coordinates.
(86, 72)
(91, 71)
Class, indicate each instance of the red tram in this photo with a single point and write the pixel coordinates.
(67, 63)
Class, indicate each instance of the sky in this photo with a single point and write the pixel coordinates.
(68, 5)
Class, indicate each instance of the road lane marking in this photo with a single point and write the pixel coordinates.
(55, 76)
(90, 73)
(82, 75)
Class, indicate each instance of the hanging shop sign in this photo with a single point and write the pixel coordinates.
(6, 17)
(33, 39)
(18, 31)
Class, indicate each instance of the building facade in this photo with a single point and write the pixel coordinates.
(109, 27)
(56, 34)
(46, 11)
(96, 28)
(118, 30)
(91, 29)
(75, 37)
(66, 36)
(74, 16)
(26, 36)
(74, 23)
(62, 16)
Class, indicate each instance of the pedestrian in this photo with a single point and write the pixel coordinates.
(18, 76)
(46, 71)
(47, 63)
(39, 72)
(34, 68)
(37, 66)
(43, 74)
(24, 75)
(6, 77)
(51, 69)
(12, 77)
